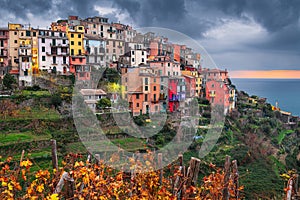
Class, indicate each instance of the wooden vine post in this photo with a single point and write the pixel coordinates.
(54, 154)
(160, 167)
(226, 178)
(235, 179)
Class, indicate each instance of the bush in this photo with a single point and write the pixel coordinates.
(56, 100)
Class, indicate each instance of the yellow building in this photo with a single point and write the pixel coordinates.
(23, 51)
(198, 79)
(14, 46)
(75, 38)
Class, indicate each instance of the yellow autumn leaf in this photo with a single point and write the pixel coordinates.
(40, 188)
(10, 186)
(4, 184)
(54, 197)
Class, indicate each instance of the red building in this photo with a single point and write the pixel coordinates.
(220, 93)
(176, 92)
(190, 86)
(79, 68)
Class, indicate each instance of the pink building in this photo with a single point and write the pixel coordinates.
(79, 68)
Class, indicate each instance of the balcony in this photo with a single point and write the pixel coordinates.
(111, 31)
(174, 98)
(154, 100)
(59, 45)
(25, 46)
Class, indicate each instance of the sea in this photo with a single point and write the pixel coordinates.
(284, 91)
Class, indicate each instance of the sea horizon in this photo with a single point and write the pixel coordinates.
(281, 90)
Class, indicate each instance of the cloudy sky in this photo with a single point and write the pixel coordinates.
(238, 34)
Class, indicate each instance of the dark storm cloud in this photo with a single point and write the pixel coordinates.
(47, 9)
(272, 14)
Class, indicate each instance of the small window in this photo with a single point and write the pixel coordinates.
(79, 43)
(132, 59)
(16, 41)
(154, 88)
(16, 33)
(79, 35)
(137, 96)
(146, 88)
(43, 49)
(72, 42)
(143, 60)
(43, 40)
(43, 58)
(72, 35)
(137, 105)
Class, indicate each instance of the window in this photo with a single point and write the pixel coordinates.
(43, 58)
(79, 43)
(72, 35)
(43, 49)
(79, 51)
(132, 59)
(126, 79)
(146, 88)
(64, 41)
(143, 60)
(154, 97)
(168, 64)
(72, 42)
(16, 33)
(79, 35)
(16, 41)
(64, 60)
(72, 52)
(60, 34)
(73, 59)
(107, 42)
(146, 81)
(114, 50)
(154, 80)
(146, 97)
(80, 60)
(54, 59)
(137, 105)
(132, 52)
(43, 40)
(137, 96)
(107, 50)
(34, 34)
(110, 35)
(154, 88)
(114, 43)
(142, 53)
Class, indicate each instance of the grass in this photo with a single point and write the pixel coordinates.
(282, 135)
(40, 93)
(10, 138)
(128, 144)
(33, 113)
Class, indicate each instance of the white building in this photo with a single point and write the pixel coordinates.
(92, 96)
(53, 51)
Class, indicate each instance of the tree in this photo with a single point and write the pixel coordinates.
(103, 103)
(56, 100)
(9, 81)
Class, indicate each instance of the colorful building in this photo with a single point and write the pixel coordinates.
(95, 48)
(53, 51)
(4, 52)
(77, 59)
(176, 92)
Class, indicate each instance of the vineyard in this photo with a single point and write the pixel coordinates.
(80, 178)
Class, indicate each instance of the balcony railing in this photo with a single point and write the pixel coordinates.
(154, 101)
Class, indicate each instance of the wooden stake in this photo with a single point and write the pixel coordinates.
(193, 171)
(54, 154)
(226, 178)
(235, 178)
(159, 161)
